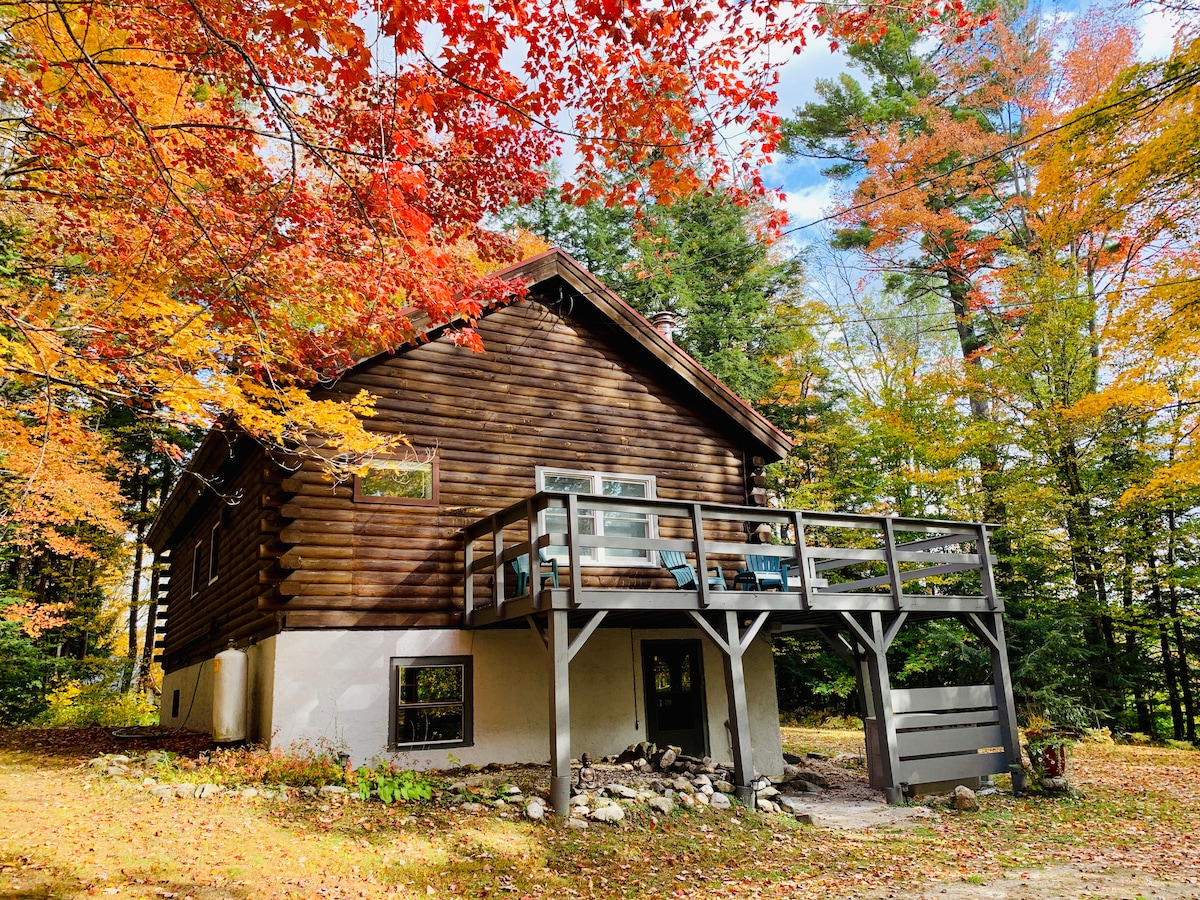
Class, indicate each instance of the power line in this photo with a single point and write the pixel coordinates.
(1175, 82)
(998, 307)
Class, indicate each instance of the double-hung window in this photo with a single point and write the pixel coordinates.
(613, 523)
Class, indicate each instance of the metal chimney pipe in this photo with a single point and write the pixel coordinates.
(665, 323)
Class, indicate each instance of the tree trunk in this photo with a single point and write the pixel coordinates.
(1133, 665)
(135, 599)
(1184, 669)
(1162, 613)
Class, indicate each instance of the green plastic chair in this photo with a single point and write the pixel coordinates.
(685, 576)
(762, 573)
(521, 566)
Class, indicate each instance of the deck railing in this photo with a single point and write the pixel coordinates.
(833, 561)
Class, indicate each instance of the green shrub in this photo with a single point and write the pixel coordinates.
(391, 784)
(78, 704)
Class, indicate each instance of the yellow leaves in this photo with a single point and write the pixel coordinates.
(291, 417)
(1134, 398)
(53, 479)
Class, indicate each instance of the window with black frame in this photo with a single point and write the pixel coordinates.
(431, 702)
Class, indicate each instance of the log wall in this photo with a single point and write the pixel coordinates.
(557, 387)
(244, 492)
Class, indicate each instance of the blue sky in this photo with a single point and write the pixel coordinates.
(808, 193)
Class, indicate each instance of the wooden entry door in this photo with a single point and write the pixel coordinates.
(674, 681)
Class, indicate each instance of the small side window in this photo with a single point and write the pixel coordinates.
(214, 553)
(196, 568)
(406, 481)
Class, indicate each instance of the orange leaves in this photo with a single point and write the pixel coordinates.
(35, 619)
(211, 215)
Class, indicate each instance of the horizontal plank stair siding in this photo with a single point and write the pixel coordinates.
(948, 733)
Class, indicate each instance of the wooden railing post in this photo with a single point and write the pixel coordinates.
(469, 579)
(498, 564)
(893, 567)
(701, 555)
(573, 554)
(986, 578)
(801, 558)
(535, 558)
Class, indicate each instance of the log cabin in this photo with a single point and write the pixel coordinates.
(559, 561)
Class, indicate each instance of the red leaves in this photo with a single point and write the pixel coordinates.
(246, 197)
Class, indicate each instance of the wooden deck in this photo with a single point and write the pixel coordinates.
(835, 562)
(854, 580)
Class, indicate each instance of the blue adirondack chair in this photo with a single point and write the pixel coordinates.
(762, 573)
(685, 575)
(521, 567)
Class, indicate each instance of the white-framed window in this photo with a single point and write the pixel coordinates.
(431, 702)
(196, 568)
(214, 553)
(591, 521)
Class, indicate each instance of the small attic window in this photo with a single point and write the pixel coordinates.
(405, 481)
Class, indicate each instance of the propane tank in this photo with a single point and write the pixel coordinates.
(229, 695)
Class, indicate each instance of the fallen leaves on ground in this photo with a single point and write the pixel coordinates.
(69, 832)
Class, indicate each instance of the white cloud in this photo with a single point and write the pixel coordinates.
(808, 204)
(1157, 27)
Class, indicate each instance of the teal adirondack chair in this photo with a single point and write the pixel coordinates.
(685, 575)
(762, 573)
(521, 566)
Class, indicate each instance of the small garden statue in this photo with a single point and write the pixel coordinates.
(587, 775)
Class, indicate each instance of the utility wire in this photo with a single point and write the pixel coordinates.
(1175, 83)
(997, 307)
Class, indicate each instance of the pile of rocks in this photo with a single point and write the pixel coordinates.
(643, 778)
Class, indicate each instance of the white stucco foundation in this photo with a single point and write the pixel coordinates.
(194, 686)
(334, 685)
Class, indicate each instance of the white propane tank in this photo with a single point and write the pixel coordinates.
(230, 668)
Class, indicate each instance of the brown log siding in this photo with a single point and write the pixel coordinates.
(555, 388)
(200, 626)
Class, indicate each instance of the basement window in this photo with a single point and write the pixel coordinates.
(404, 481)
(431, 703)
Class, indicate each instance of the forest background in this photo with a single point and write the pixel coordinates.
(997, 321)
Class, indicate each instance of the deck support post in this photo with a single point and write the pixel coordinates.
(874, 640)
(559, 657)
(733, 644)
(739, 711)
(990, 629)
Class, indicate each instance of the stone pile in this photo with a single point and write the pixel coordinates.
(658, 781)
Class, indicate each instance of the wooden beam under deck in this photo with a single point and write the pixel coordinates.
(664, 601)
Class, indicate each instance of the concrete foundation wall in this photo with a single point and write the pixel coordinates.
(334, 685)
(194, 685)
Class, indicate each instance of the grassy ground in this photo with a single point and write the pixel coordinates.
(66, 832)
